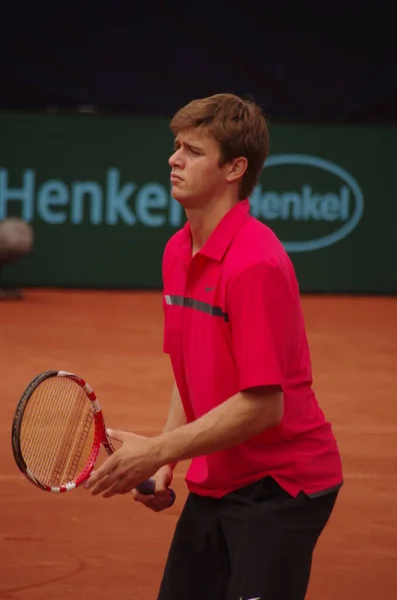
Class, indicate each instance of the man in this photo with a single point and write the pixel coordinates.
(265, 469)
(16, 241)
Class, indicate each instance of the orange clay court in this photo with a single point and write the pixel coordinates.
(77, 546)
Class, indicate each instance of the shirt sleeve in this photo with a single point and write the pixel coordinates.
(261, 308)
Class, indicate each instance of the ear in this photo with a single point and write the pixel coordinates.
(237, 168)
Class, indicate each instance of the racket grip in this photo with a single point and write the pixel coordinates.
(148, 487)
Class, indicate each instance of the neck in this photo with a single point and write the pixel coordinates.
(204, 220)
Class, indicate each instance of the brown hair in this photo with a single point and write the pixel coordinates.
(239, 127)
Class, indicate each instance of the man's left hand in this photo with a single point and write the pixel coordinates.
(133, 463)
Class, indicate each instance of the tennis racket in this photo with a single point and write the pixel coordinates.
(57, 433)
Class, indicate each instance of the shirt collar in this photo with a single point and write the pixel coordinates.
(223, 234)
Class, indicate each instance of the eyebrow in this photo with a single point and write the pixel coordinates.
(188, 145)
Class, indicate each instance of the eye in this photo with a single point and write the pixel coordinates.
(194, 152)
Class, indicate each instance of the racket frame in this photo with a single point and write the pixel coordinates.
(99, 431)
(100, 437)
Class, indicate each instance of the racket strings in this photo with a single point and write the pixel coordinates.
(42, 421)
(79, 453)
(57, 432)
(71, 447)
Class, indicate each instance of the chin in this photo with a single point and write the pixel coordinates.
(184, 199)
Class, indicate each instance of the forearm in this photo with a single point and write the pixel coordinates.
(233, 422)
(176, 416)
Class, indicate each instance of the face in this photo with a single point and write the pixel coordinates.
(196, 176)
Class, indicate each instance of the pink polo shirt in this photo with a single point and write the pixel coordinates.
(233, 321)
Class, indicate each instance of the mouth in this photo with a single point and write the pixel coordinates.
(175, 178)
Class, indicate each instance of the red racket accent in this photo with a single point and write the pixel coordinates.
(40, 463)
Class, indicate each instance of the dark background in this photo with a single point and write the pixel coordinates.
(302, 61)
(306, 63)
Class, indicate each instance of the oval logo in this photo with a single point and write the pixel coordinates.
(306, 204)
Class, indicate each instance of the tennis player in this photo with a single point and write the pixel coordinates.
(265, 468)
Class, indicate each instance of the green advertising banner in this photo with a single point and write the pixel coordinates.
(96, 190)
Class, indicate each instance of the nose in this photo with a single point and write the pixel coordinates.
(175, 159)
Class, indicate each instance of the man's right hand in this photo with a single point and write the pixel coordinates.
(160, 499)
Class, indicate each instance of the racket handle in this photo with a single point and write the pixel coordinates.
(148, 487)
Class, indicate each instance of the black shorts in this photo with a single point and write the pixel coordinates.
(256, 543)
